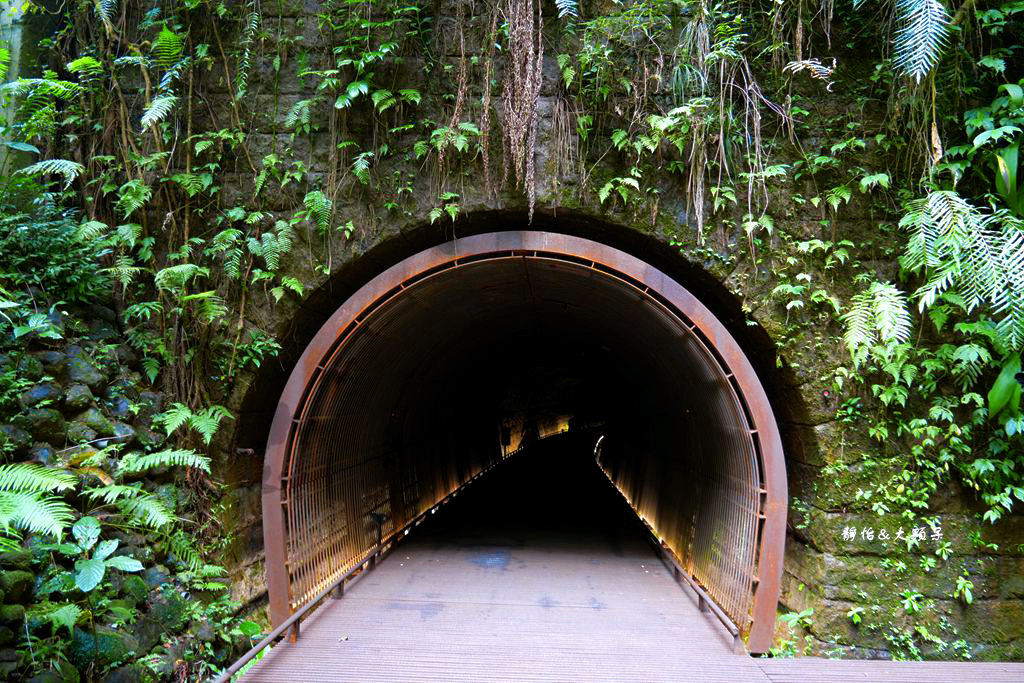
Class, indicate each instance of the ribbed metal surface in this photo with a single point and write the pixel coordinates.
(560, 587)
(402, 396)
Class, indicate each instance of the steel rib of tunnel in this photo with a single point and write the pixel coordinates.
(327, 471)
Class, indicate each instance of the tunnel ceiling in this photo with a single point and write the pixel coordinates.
(400, 398)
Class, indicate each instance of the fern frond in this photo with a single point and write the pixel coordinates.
(158, 110)
(147, 510)
(124, 270)
(24, 477)
(252, 26)
(921, 36)
(91, 231)
(567, 8)
(113, 493)
(981, 256)
(208, 421)
(319, 207)
(135, 462)
(174, 417)
(184, 549)
(298, 114)
(34, 513)
(68, 170)
(176, 277)
(167, 47)
(105, 10)
(878, 313)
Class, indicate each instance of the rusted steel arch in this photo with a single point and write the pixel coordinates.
(297, 563)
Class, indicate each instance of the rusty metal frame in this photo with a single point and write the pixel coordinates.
(648, 281)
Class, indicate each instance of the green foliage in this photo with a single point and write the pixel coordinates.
(980, 256)
(878, 321)
(920, 37)
(205, 422)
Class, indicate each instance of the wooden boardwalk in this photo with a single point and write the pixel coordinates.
(518, 584)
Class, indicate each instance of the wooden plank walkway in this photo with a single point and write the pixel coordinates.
(515, 583)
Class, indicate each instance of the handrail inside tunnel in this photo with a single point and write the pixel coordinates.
(430, 373)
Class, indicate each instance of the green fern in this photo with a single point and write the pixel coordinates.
(184, 549)
(921, 36)
(298, 115)
(136, 463)
(34, 478)
(147, 510)
(567, 8)
(877, 314)
(113, 493)
(68, 170)
(35, 513)
(158, 110)
(320, 209)
(252, 27)
(132, 196)
(980, 256)
(56, 615)
(105, 10)
(176, 277)
(173, 418)
(167, 47)
(271, 246)
(209, 306)
(124, 270)
(22, 504)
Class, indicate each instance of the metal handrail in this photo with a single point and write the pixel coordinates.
(704, 600)
(381, 548)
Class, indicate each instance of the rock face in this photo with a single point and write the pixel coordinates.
(78, 397)
(102, 647)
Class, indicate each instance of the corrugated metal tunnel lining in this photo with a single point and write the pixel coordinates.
(406, 392)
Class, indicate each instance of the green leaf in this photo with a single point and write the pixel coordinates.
(65, 615)
(134, 462)
(125, 563)
(86, 531)
(1006, 391)
(69, 170)
(167, 47)
(106, 548)
(88, 574)
(29, 477)
(22, 147)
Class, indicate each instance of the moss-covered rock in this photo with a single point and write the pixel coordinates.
(16, 559)
(79, 432)
(94, 419)
(12, 615)
(16, 584)
(78, 397)
(39, 394)
(168, 609)
(41, 453)
(46, 424)
(15, 438)
(133, 588)
(81, 369)
(101, 647)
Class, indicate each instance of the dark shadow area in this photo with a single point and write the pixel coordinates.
(550, 495)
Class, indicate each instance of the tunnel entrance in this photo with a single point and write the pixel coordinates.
(448, 362)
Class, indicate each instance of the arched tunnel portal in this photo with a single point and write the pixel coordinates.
(437, 368)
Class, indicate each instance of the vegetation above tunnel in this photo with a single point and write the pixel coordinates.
(848, 171)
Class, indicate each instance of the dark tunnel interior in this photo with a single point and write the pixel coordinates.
(466, 365)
